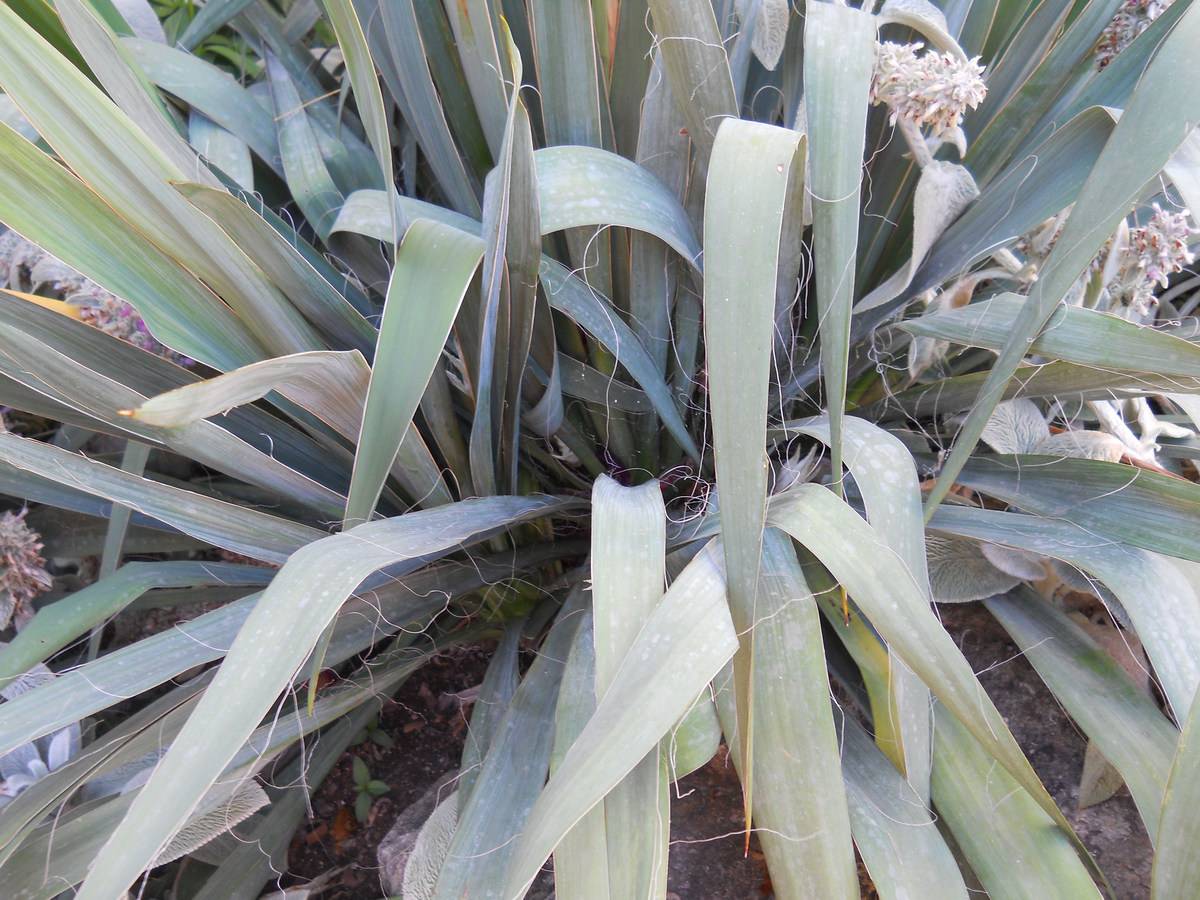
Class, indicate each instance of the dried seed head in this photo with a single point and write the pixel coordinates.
(933, 89)
(1133, 17)
(21, 574)
(1161, 245)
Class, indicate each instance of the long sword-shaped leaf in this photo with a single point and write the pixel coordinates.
(365, 213)
(694, 58)
(405, 65)
(127, 85)
(896, 607)
(56, 373)
(307, 288)
(1176, 862)
(112, 156)
(56, 626)
(1159, 599)
(684, 644)
(208, 89)
(1141, 508)
(1114, 711)
(581, 857)
(886, 477)
(1153, 125)
(512, 774)
(895, 834)
(1081, 336)
(1043, 380)
(434, 267)
(331, 384)
(271, 646)
(45, 204)
(798, 786)
(839, 59)
(367, 95)
(511, 234)
(756, 174)
(966, 785)
(584, 186)
(629, 543)
(227, 525)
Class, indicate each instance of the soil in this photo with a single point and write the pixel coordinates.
(707, 863)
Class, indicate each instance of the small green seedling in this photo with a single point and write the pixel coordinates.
(367, 788)
(376, 735)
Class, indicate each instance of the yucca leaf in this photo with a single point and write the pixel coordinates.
(1176, 864)
(405, 62)
(270, 647)
(572, 296)
(839, 60)
(1081, 336)
(683, 645)
(581, 857)
(1115, 713)
(695, 63)
(309, 180)
(1132, 505)
(58, 625)
(512, 234)
(475, 24)
(49, 207)
(495, 696)
(208, 89)
(580, 186)
(885, 475)
(1158, 598)
(966, 783)
(116, 160)
(227, 525)
(434, 267)
(367, 95)
(1027, 80)
(572, 88)
(894, 833)
(307, 287)
(1032, 188)
(1044, 380)
(881, 586)
(512, 773)
(210, 18)
(754, 183)
(793, 723)
(223, 149)
(127, 85)
(55, 373)
(628, 552)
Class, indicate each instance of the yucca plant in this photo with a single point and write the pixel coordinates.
(577, 323)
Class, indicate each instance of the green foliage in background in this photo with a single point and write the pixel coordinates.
(652, 334)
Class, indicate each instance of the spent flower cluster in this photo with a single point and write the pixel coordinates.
(932, 88)
(26, 267)
(1132, 18)
(21, 574)
(1151, 253)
